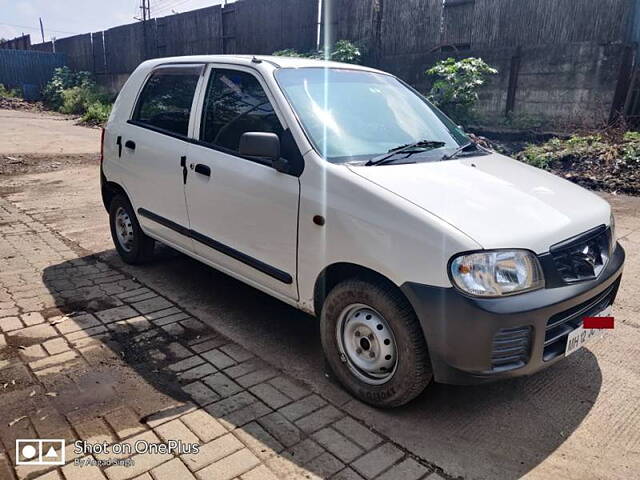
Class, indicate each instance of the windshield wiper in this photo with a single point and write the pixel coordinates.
(458, 151)
(408, 149)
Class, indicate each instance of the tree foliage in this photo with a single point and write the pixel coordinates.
(456, 85)
(343, 51)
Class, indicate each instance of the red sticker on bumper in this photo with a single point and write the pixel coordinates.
(598, 322)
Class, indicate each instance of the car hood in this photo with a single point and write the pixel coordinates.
(497, 201)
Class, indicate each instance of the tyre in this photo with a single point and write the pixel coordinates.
(131, 243)
(373, 343)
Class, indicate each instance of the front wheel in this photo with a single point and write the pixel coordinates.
(374, 344)
(130, 241)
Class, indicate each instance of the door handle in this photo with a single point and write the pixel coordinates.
(203, 170)
(183, 164)
(130, 144)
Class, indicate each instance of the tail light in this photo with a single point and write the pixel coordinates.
(101, 146)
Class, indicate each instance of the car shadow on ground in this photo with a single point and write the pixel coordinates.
(500, 430)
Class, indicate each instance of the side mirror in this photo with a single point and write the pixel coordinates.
(263, 145)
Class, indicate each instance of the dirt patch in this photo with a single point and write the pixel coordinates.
(22, 163)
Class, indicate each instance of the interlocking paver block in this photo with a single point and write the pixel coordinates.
(256, 377)
(124, 422)
(270, 395)
(229, 467)
(222, 384)
(172, 470)
(152, 305)
(212, 452)
(32, 318)
(261, 472)
(201, 394)
(209, 344)
(117, 313)
(303, 407)
(378, 460)
(304, 452)
(73, 323)
(347, 474)
(230, 404)
(176, 430)
(219, 359)
(408, 469)
(325, 465)
(319, 418)
(289, 388)
(196, 373)
(53, 360)
(245, 415)
(281, 428)
(204, 425)
(258, 440)
(141, 463)
(40, 332)
(357, 432)
(55, 346)
(85, 472)
(186, 364)
(338, 444)
(236, 352)
(169, 414)
(94, 430)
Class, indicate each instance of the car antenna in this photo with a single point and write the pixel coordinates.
(256, 60)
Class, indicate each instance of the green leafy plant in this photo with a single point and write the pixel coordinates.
(97, 113)
(456, 85)
(6, 93)
(623, 150)
(343, 51)
(64, 78)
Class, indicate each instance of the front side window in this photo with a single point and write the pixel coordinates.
(234, 104)
(165, 101)
(352, 115)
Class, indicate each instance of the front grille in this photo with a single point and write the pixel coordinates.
(511, 348)
(583, 257)
(560, 325)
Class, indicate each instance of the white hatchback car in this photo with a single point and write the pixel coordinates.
(340, 190)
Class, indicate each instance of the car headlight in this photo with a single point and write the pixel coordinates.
(494, 273)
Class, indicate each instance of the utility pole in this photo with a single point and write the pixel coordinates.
(146, 9)
(41, 29)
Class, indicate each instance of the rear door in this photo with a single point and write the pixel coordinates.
(154, 147)
(243, 213)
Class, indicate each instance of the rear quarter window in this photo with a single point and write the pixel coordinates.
(166, 99)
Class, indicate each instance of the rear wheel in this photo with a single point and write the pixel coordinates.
(132, 244)
(374, 344)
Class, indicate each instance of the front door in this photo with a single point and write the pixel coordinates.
(243, 213)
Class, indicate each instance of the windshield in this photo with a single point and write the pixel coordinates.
(352, 115)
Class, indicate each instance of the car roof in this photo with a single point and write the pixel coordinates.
(274, 61)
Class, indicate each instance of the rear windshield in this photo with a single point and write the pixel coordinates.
(355, 115)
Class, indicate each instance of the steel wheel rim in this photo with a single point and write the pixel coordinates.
(367, 344)
(124, 229)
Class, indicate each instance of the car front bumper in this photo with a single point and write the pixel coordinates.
(476, 340)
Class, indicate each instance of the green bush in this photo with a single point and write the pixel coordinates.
(624, 149)
(343, 51)
(97, 113)
(456, 85)
(64, 79)
(13, 93)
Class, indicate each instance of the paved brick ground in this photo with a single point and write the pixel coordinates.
(89, 353)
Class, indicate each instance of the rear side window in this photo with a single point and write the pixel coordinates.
(235, 103)
(165, 101)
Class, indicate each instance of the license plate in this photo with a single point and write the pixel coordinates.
(580, 336)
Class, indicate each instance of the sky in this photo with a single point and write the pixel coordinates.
(64, 18)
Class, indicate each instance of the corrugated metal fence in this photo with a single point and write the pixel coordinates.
(28, 69)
